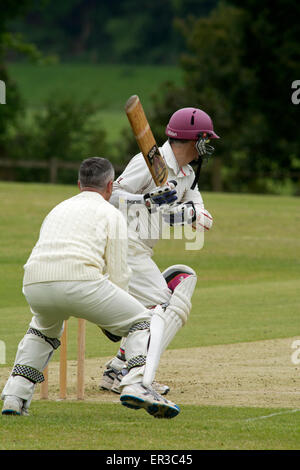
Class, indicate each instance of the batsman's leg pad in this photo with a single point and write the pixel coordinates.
(157, 330)
(176, 273)
(177, 312)
(136, 351)
(166, 323)
(136, 344)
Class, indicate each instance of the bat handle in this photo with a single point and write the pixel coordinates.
(172, 184)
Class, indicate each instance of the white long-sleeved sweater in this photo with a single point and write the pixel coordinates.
(82, 238)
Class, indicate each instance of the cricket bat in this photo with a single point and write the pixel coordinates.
(146, 141)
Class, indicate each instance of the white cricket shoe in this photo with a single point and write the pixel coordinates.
(108, 378)
(111, 380)
(116, 383)
(14, 406)
(138, 396)
(160, 388)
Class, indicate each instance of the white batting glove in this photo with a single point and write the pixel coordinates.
(203, 220)
(162, 195)
(180, 214)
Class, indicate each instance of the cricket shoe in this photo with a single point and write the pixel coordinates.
(14, 406)
(157, 387)
(108, 379)
(160, 388)
(138, 396)
(111, 380)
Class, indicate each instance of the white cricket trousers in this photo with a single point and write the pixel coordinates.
(146, 283)
(100, 302)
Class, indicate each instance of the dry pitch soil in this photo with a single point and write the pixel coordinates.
(258, 374)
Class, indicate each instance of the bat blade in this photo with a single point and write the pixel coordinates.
(146, 141)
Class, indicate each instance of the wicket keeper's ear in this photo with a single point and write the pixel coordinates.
(109, 188)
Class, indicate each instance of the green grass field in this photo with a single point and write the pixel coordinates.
(109, 86)
(248, 290)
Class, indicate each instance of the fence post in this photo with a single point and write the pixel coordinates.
(53, 170)
(217, 183)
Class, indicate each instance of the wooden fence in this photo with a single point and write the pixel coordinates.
(53, 166)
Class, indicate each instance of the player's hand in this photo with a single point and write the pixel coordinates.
(180, 214)
(161, 195)
(203, 220)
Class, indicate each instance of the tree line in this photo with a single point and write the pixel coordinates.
(240, 62)
(114, 31)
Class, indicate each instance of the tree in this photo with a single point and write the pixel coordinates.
(239, 66)
(8, 113)
(118, 31)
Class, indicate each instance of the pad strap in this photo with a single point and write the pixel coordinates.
(55, 343)
(144, 325)
(137, 361)
(111, 336)
(29, 373)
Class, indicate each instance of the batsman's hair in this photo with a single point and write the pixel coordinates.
(171, 141)
(96, 172)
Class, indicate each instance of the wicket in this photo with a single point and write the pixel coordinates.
(44, 391)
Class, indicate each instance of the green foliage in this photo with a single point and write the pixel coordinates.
(11, 9)
(117, 32)
(81, 83)
(239, 66)
(10, 111)
(64, 129)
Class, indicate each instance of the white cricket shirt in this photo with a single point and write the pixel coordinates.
(137, 179)
(82, 238)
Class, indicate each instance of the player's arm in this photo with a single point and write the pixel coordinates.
(116, 250)
(132, 185)
(190, 210)
(203, 220)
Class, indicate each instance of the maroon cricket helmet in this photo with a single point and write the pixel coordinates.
(188, 123)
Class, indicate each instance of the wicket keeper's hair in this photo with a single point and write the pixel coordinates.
(96, 172)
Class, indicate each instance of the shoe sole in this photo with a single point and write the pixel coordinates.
(154, 409)
(11, 412)
(162, 392)
(106, 389)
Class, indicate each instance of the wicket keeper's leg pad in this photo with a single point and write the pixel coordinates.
(33, 355)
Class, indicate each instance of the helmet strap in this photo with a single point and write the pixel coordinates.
(204, 151)
(197, 175)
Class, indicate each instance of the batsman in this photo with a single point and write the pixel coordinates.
(178, 201)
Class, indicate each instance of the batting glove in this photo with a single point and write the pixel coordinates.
(203, 220)
(180, 214)
(161, 195)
